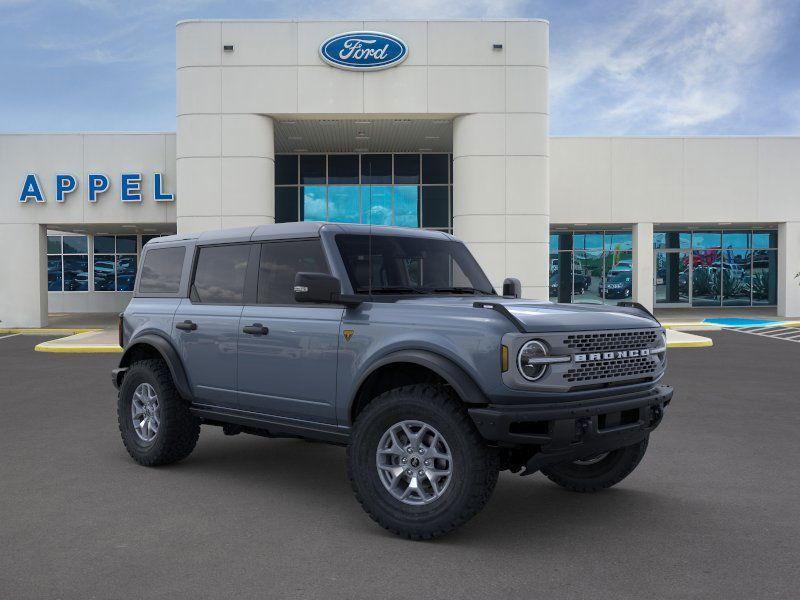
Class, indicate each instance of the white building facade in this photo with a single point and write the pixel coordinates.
(450, 133)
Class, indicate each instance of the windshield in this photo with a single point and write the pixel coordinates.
(619, 278)
(410, 265)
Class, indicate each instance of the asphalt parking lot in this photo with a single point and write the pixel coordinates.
(712, 512)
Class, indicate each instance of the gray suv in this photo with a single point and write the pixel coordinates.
(393, 343)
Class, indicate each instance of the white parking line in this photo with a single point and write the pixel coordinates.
(789, 334)
(2, 337)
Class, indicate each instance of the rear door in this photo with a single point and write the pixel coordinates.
(206, 325)
(288, 351)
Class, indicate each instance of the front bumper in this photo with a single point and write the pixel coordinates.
(560, 432)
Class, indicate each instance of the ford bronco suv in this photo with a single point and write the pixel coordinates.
(392, 342)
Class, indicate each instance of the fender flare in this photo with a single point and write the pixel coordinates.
(454, 375)
(168, 354)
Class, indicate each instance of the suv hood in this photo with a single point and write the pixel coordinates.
(538, 316)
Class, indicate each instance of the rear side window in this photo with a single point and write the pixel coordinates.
(220, 274)
(280, 262)
(161, 271)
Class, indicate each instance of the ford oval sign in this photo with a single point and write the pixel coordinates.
(363, 50)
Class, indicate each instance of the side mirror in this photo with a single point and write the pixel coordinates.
(512, 287)
(316, 287)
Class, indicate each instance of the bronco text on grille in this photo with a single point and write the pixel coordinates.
(614, 355)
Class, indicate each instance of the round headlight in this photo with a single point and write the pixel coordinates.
(526, 360)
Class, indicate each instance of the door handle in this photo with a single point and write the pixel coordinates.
(255, 329)
(186, 326)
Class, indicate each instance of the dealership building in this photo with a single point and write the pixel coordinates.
(434, 124)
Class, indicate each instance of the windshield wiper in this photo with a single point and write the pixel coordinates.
(392, 289)
(461, 290)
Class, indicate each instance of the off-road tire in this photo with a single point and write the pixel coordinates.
(178, 430)
(595, 477)
(475, 465)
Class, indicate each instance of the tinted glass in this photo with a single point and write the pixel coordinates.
(147, 238)
(434, 168)
(103, 272)
(672, 239)
(735, 277)
(406, 205)
(706, 277)
(104, 244)
(280, 262)
(736, 239)
(587, 275)
(706, 239)
(409, 265)
(376, 204)
(126, 244)
(161, 271)
(285, 169)
(75, 244)
(618, 241)
(672, 277)
(76, 273)
(588, 241)
(434, 207)
(343, 168)
(286, 205)
(126, 273)
(765, 239)
(219, 275)
(765, 277)
(553, 242)
(376, 168)
(314, 203)
(312, 168)
(54, 244)
(343, 204)
(54, 274)
(406, 168)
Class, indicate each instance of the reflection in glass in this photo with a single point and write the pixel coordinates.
(285, 169)
(76, 273)
(406, 168)
(706, 277)
(75, 244)
(286, 205)
(54, 244)
(126, 273)
(343, 204)
(434, 206)
(406, 205)
(587, 274)
(765, 239)
(672, 277)
(314, 203)
(343, 168)
(312, 168)
(54, 273)
(735, 277)
(376, 168)
(126, 244)
(434, 168)
(103, 272)
(618, 282)
(736, 239)
(376, 204)
(553, 270)
(672, 239)
(618, 241)
(104, 244)
(706, 239)
(765, 277)
(588, 241)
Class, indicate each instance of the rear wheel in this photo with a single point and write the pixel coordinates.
(598, 472)
(417, 464)
(156, 425)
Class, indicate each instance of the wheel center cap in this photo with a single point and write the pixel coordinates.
(415, 462)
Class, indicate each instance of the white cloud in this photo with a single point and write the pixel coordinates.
(669, 67)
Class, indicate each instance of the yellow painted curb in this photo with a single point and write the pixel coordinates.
(697, 326)
(88, 349)
(704, 343)
(46, 331)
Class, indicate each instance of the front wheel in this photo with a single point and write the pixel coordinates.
(417, 464)
(598, 472)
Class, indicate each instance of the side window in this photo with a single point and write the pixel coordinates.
(280, 262)
(161, 271)
(220, 273)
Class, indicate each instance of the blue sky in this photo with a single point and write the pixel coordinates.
(617, 67)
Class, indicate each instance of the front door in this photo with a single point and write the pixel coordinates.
(287, 351)
(206, 325)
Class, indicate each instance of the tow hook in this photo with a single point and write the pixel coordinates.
(581, 427)
(656, 414)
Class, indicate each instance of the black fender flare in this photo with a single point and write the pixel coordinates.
(168, 353)
(461, 382)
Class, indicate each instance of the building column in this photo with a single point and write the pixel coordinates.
(501, 196)
(23, 302)
(642, 275)
(788, 266)
(226, 171)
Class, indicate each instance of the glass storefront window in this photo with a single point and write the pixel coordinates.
(54, 276)
(765, 239)
(67, 263)
(672, 239)
(386, 189)
(343, 203)
(672, 277)
(765, 277)
(406, 205)
(736, 239)
(707, 239)
(126, 272)
(618, 241)
(588, 241)
(735, 277)
(104, 272)
(75, 244)
(587, 275)
(76, 273)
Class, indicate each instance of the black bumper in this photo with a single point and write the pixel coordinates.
(568, 431)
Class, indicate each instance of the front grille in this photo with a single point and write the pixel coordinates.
(618, 368)
(612, 340)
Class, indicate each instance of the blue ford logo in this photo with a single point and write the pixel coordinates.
(363, 50)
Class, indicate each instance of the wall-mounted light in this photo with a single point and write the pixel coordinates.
(497, 46)
(228, 47)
